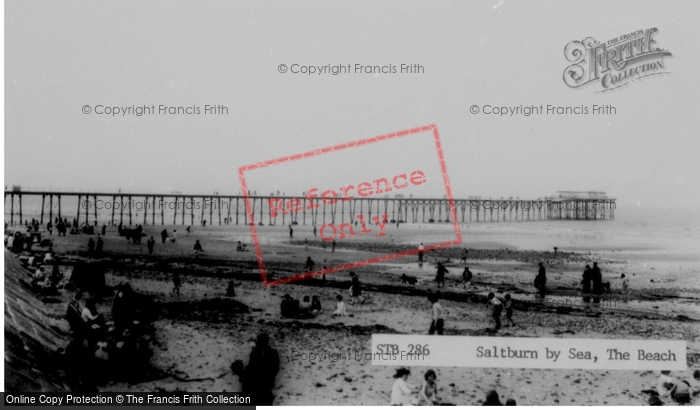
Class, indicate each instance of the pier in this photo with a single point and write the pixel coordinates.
(184, 209)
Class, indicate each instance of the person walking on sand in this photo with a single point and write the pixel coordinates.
(508, 304)
(176, 283)
(150, 243)
(49, 227)
(91, 247)
(541, 281)
(421, 248)
(438, 323)
(440, 277)
(466, 277)
(314, 230)
(188, 230)
(497, 309)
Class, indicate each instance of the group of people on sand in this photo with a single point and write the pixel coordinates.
(308, 308)
(427, 394)
(102, 350)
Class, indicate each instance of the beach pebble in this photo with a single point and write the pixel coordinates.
(348, 379)
(339, 389)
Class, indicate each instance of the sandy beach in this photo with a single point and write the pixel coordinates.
(199, 334)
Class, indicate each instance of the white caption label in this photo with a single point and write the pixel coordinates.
(527, 353)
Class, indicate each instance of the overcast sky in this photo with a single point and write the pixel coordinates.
(60, 56)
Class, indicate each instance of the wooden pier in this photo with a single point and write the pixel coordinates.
(182, 209)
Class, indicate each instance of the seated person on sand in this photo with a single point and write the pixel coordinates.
(91, 316)
(315, 305)
(401, 391)
(240, 247)
(340, 309)
(678, 390)
(306, 304)
(492, 399)
(173, 237)
(428, 393)
(291, 308)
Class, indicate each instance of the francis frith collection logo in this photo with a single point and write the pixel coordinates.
(616, 63)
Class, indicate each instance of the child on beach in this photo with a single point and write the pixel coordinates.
(497, 309)
(438, 323)
(340, 308)
(315, 305)
(625, 284)
(509, 310)
(466, 277)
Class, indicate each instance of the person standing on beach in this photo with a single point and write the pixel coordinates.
(104, 229)
(541, 281)
(625, 284)
(421, 248)
(291, 232)
(508, 304)
(587, 277)
(466, 277)
(258, 378)
(309, 264)
(176, 283)
(100, 245)
(597, 278)
(306, 244)
(464, 256)
(164, 235)
(497, 309)
(324, 265)
(438, 323)
(356, 289)
(150, 243)
(49, 227)
(91, 247)
(314, 230)
(440, 277)
(333, 246)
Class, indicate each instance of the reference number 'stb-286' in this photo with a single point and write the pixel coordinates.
(411, 352)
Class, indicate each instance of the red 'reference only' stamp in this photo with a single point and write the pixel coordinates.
(348, 193)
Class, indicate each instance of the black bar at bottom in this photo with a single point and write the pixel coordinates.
(129, 399)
